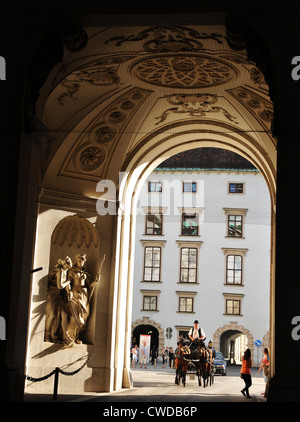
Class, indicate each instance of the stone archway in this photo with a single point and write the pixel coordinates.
(148, 321)
(140, 164)
(233, 326)
(103, 130)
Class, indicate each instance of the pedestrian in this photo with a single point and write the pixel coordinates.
(143, 358)
(135, 355)
(171, 357)
(163, 354)
(246, 373)
(153, 354)
(265, 367)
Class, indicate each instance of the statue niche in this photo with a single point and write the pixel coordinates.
(70, 291)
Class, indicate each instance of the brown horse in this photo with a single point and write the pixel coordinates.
(203, 364)
(181, 363)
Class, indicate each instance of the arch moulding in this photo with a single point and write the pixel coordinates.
(148, 321)
(234, 327)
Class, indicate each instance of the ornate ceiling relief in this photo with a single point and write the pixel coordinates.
(169, 39)
(256, 76)
(101, 72)
(183, 71)
(258, 106)
(88, 156)
(194, 105)
(177, 59)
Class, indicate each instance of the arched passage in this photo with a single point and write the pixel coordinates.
(40, 145)
(162, 146)
(224, 340)
(116, 125)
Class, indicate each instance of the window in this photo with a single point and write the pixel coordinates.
(189, 225)
(235, 225)
(234, 269)
(233, 307)
(233, 304)
(149, 303)
(154, 187)
(182, 331)
(154, 224)
(188, 265)
(235, 222)
(152, 263)
(189, 187)
(186, 301)
(150, 300)
(186, 304)
(234, 265)
(182, 334)
(236, 187)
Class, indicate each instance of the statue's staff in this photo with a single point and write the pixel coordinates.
(98, 277)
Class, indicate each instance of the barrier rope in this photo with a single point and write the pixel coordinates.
(32, 379)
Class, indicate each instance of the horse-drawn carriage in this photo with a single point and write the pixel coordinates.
(194, 359)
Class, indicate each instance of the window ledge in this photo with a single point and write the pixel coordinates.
(149, 310)
(148, 281)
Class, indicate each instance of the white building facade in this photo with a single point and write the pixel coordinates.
(203, 252)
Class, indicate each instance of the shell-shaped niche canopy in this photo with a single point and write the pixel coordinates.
(75, 231)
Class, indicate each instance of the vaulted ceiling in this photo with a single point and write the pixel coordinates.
(130, 81)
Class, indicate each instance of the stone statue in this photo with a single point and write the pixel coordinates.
(70, 291)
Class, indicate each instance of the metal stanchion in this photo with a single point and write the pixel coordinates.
(55, 383)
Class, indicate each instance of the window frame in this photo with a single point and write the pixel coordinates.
(188, 215)
(233, 306)
(236, 192)
(156, 183)
(233, 297)
(242, 212)
(235, 216)
(150, 294)
(146, 224)
(235, 271)
(153, 244)
(189, 248)
(186, 295)
(152, 267)
(150, 303)
(235, 252)
(191, 185)
(191, 244)
(185, 298)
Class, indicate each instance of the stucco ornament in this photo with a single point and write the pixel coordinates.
(70, 291)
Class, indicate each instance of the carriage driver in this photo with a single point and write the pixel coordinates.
(196, 333)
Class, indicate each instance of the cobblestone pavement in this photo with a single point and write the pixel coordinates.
(157, 385)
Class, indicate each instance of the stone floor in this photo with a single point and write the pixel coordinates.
(157, 385)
